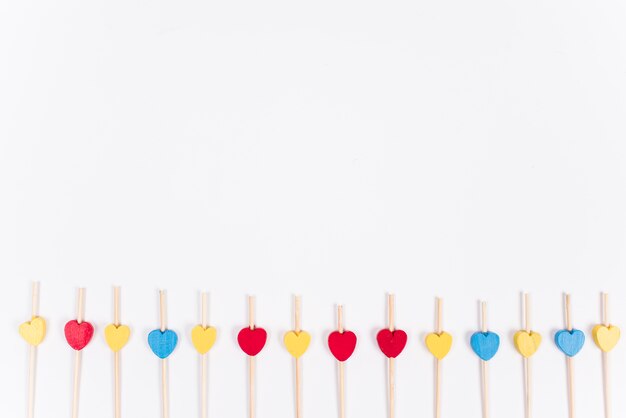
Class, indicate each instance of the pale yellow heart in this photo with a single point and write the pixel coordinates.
(116, 336)
(297, 342)
(527, 342)
(606, 337)
(33, 331)
(203, 338)
(439, 344)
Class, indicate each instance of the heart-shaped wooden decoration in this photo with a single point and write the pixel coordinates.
(570, 342)
(162, 343)
(606, 337)
(78, 335)
(342, 344)
(391, 343)
(203, 338)
(252, 340)
(297, 342)
(116, 336)
(485, 344)
(527, 342)
(439, 345)
(33, 331)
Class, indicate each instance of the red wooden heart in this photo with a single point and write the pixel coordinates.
(342, 344)
(78, 335)
(391, 343)
(252, 340)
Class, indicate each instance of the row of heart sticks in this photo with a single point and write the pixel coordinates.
(341, 343)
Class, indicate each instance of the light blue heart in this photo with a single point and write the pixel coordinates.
(485, 344)
(569, 342)
(162, 343)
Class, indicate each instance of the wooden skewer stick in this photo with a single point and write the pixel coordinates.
(33, 354)
(251, 362)
(438, 330)
(569, 361)
(78, 353)
(116, 355)
(203, 358)
(527, 365)
(483, 363)
(164, 381)
(298, 328)
(340, 365)
(391, 368)
(608, 412)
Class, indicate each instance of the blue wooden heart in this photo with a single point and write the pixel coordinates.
(569, 342)
(485, 344)
(162, 343)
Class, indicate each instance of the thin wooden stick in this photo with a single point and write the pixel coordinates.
(483, 363)
(203, 386)
(437, 388)
(526, 309)
(203, 359)
(526, 360)
(483, 370)
(80, 310)
(608, 412)
(31, 380)
(391, 300)
(439, 317)
(570, 386)
(32, 367)
(164, 381)
(116, 355)
(251, 312)
(297, 301)
(340, 364)
(483, 316)
(527, 395)
(251, 363)
(340, 318)
(391, 306)
(78, 354)
(162, 313)
(438, 330)
(298, 328)
(166, 405)
(569, 362)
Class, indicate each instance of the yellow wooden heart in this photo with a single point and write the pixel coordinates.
(439, 344)
(33, 331)
(116, 336)
(203, 338)
(526, 342)
(606, 337)
(297, 342)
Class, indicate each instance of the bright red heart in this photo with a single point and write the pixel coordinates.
(252, 340)
(391, 343)
(78, 335)
(342, 344)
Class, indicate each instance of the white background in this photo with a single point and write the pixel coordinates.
(341, 150)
